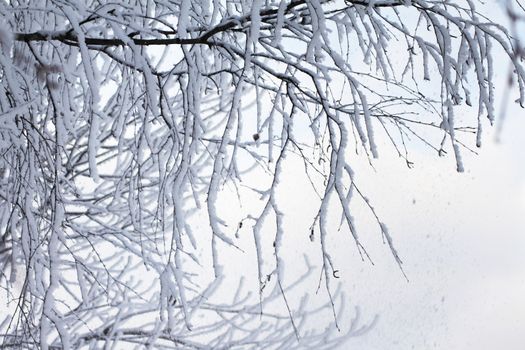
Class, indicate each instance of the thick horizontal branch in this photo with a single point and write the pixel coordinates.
(69, 37)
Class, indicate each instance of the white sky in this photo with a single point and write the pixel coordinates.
(462, 239)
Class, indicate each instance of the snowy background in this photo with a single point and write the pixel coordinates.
(462, 240)
(461, 237)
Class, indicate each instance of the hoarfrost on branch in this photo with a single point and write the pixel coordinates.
(120, 124)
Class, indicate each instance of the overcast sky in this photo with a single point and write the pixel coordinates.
(462, 239)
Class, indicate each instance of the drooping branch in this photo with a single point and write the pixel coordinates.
(115, 158)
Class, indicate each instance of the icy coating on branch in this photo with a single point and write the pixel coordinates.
(122, 126)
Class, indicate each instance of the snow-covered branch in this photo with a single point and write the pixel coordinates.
(127, 129)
